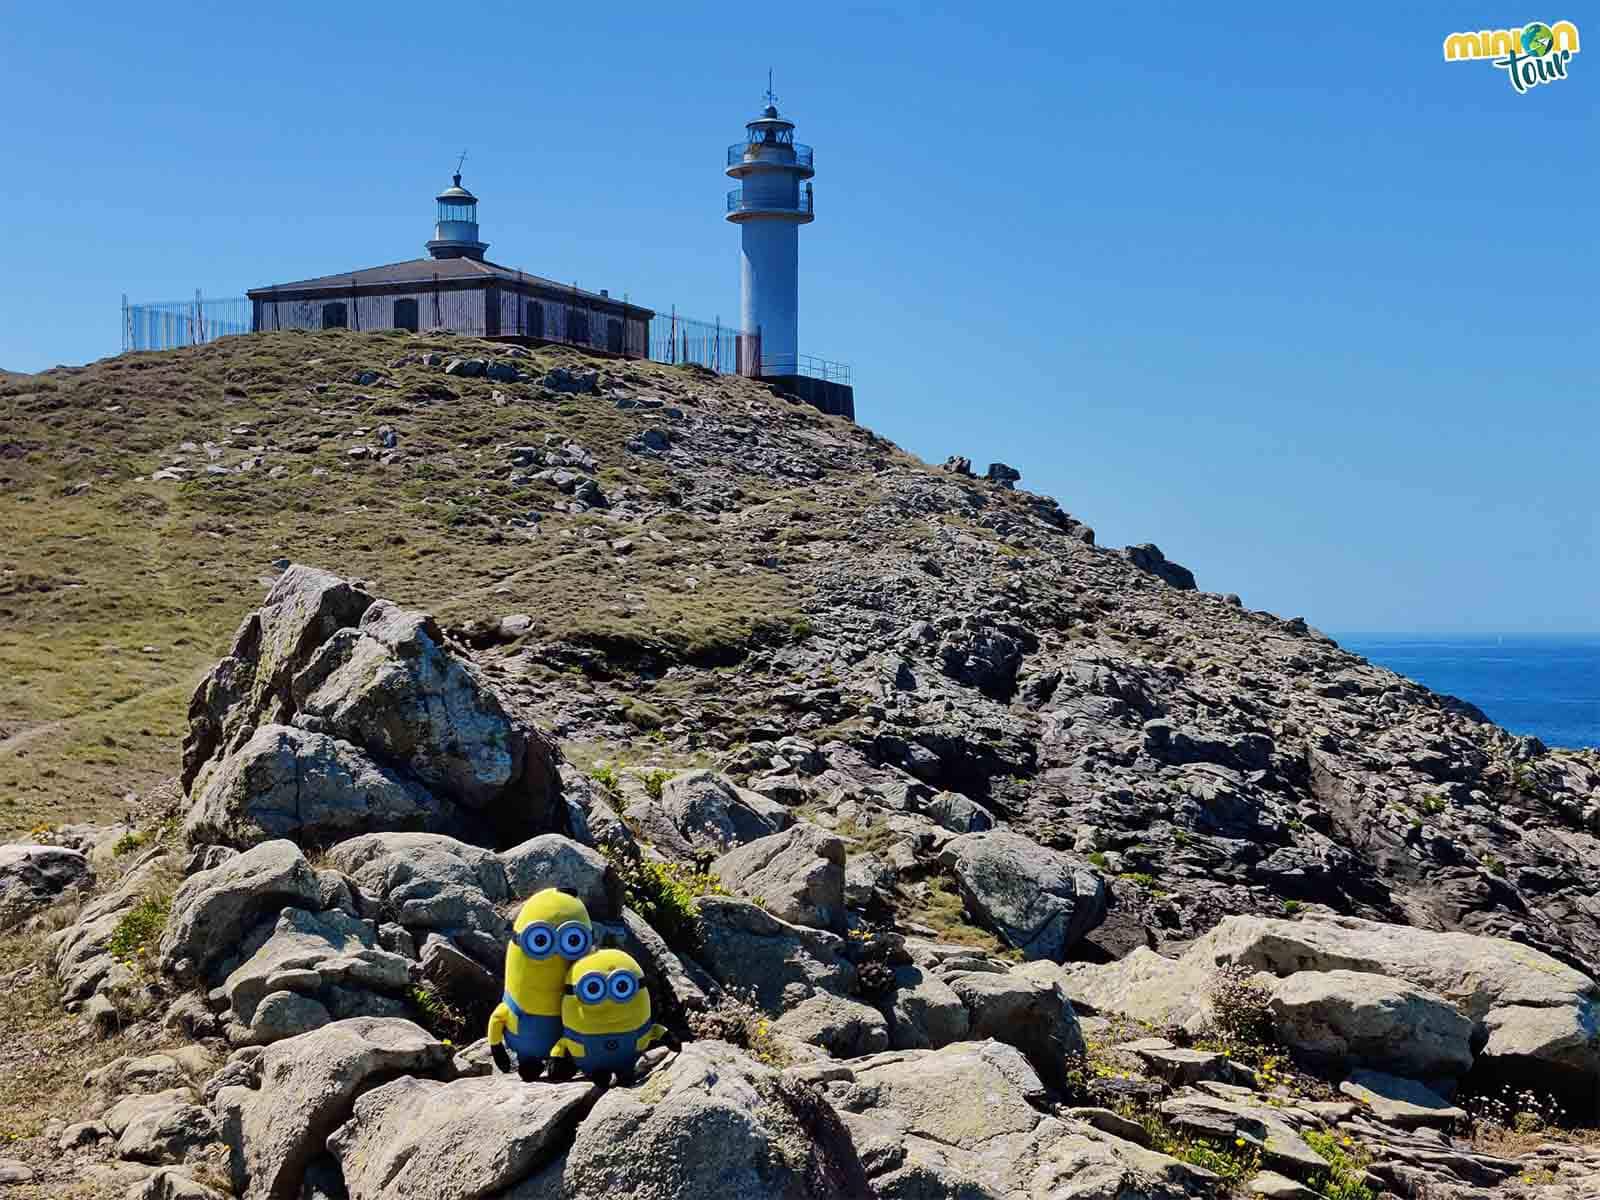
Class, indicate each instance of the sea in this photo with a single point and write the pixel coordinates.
(1547, 685)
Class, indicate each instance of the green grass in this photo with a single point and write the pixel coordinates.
(136, 935)
(1347, 1167)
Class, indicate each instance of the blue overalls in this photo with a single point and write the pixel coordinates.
(608, 1051)
(535, 1035)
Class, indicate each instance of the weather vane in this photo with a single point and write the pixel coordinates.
(771, 99)
(460, 160)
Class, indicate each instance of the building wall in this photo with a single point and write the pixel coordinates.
(541, 316)
(460, 309)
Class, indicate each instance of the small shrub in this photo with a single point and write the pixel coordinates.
(439, 1017)
(1291, 907)
(606, 776)
(129, 842)
(655, 782)
(133, 941)
(1233, 1163)
(1143, 878)
(1239, 1006)
(666, 894)
(1345, 1178)
(1098, 858)
(736, 1019)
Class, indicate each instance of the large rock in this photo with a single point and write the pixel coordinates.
(1148, 557)
(33, 877)
(746, 948)
(711, 1122)
(798, 875)
(551, 860)
(251, 685)
(1031, 1013)
(419, 1139)
(1037, 900)
(214, 910)
(313, 954)
(701, 810)
(287, 783)
(925, 1013)
(1352, 1016)
(844, 1028)
(1542, 1017)
(428, 881)
(82, 955)
(308, 1087)
(392, 687)
(1258, 1125)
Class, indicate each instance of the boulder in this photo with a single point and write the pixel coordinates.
(702, 810)
(925, 1013)
(428, 881)
(312, 953)
(798, 875)
(34, 877)
(287, 783)
(170, 1184)
(958, 814)
(81, 952)
(677, 984)
(393, 687)
(1402, 1102)
(1353, 1016)
(710, 1122)
(213, 910)
(551, 860)
(1259, 1125)
(308, 1087)
(250, 686)
(1148, 557)
(471, 987)
(844, 1028)
(1032, 1014)
(419, 1139)
(1037, 900)
(746, 948)
(1542, 1017)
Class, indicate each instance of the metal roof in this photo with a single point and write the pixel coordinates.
(426, 271)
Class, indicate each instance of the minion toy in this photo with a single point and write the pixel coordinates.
(551, 932)
(605, 1017)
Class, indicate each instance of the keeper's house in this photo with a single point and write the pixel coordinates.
(456, 288)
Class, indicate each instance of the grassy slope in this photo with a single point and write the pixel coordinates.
(115, 597)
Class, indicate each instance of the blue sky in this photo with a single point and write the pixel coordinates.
(1273, 286)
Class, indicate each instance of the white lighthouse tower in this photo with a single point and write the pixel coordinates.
(770, 204)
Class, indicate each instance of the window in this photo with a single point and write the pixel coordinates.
(335, 316)
(405, 314)
(535, 323)
(614, 335)
(578, 326)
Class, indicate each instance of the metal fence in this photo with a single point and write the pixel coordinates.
(672, 338)
(166, 325)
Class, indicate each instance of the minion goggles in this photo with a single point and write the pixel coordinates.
(594, 987)
(539, 940)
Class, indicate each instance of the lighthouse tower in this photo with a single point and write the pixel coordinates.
(455, 234)
(770, 204)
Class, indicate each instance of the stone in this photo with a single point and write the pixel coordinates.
(551, 860)
(288, 783)
(1280, 1187)
(677, 984)
(1000, 473)
(1401, 1102)
(309, 951)
(281, 1015)
(34, 877)
(1148, 557)
(704, 810)
(166, 1134)
(308, 1087)
(429, 881)
(170, 1184)
(14, 1170)
(782, 964)
(797, 874)
(214, 910)
(81, 953)
(926, 1013)
(1039, 901)
(466, 368)
(955, 812)
(1031, 1014)
(1355, 1016)
(844, 1028)
(574, 380)
(392, 684)
(502, 372)
(466, 983)
(1542, 1016)
(711, 1122)
(250, 686)
(1261, 1126)
(419, 1139)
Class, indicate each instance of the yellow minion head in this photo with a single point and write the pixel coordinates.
(605, 994)
(550, 932)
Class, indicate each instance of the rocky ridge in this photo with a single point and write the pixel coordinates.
(997, 812)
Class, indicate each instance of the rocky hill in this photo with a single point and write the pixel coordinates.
(899, 785)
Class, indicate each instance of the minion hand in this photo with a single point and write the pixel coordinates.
(501, 1058)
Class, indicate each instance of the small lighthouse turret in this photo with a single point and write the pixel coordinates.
(770, 204)
(455, 233)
